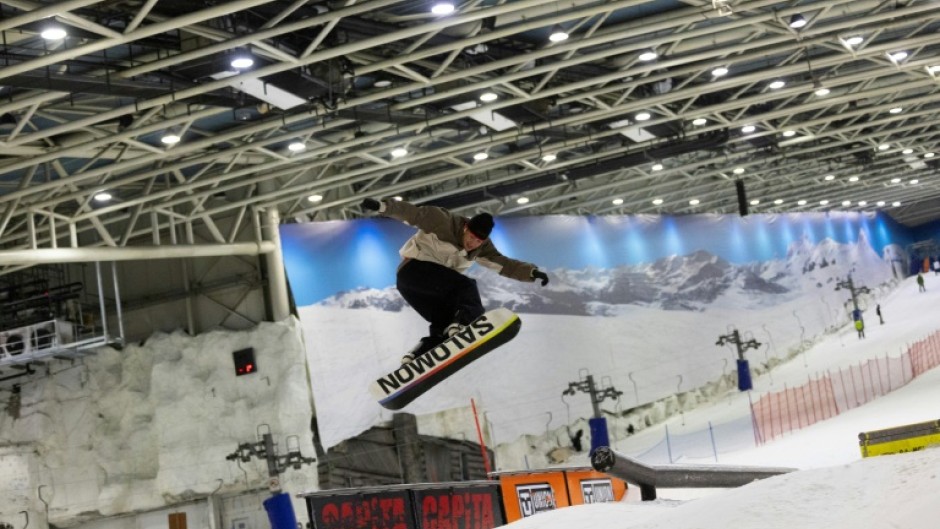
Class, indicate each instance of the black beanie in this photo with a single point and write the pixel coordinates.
(481, 225)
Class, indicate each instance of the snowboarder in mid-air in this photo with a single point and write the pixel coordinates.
(431, 275)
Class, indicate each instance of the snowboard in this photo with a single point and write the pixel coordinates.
(397, 389)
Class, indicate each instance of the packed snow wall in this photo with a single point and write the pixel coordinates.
(131, 430)
(636, 301)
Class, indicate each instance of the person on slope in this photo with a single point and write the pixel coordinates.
(431, 274)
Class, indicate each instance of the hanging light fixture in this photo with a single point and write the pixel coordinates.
(797, 21)
(242, 59)
(558, 34)
(53, 32)
(442, 8)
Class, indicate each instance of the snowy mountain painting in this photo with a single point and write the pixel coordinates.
(689, 282)
(645, 328)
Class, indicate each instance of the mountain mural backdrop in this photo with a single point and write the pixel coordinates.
(689, 282)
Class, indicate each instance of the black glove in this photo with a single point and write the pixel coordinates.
(371, 204)
(538, 274)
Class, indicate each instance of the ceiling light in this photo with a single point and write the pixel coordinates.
(657, 167)
(698, 122)
(747, 129)
(915, 182)
(738, 170)
(895, 180)
(657, 201)
(53, 32)
(854, 40)
(755, 202)
(549, 157)
(296, 146)
(442, 8)
(898, 56)
(819, 89)
(558, 34)
(398, 152)
(896, 110)
(829, 177)
(929, 155)
(397, 198)
(800, 202)
(693, 202)
(314, 198)
(880, 203)
(895, 204)
(823, 202)
(853, 179)
(777, 84)
(480, 156)
(797, 21)
(170, 139)
(718, 72)
(933, 69)
(789, 133)
(862, 203)
(884, 147)
(488, 97)
(778, 201)
(907, 151)
(103, 196)
(846, 203)
(241, 61)
(522, 200)
(382, 83)
(642, 116)
(647, 56)
(617, 201)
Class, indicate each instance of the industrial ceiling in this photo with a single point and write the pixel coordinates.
(821, 105)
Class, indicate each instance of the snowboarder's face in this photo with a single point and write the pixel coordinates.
(470, 241)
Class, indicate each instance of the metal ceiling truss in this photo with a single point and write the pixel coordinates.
(138, 69)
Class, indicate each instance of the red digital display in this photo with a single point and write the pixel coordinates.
(244, 361)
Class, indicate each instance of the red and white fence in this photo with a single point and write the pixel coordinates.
(792, 409)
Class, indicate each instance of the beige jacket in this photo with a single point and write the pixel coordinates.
(439, 240)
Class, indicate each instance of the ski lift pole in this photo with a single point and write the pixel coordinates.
(597, 423)
(854, 291)
(744, 369)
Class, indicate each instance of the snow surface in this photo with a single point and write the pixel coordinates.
(837, 488)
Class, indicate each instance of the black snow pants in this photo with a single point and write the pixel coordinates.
(440, 295)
